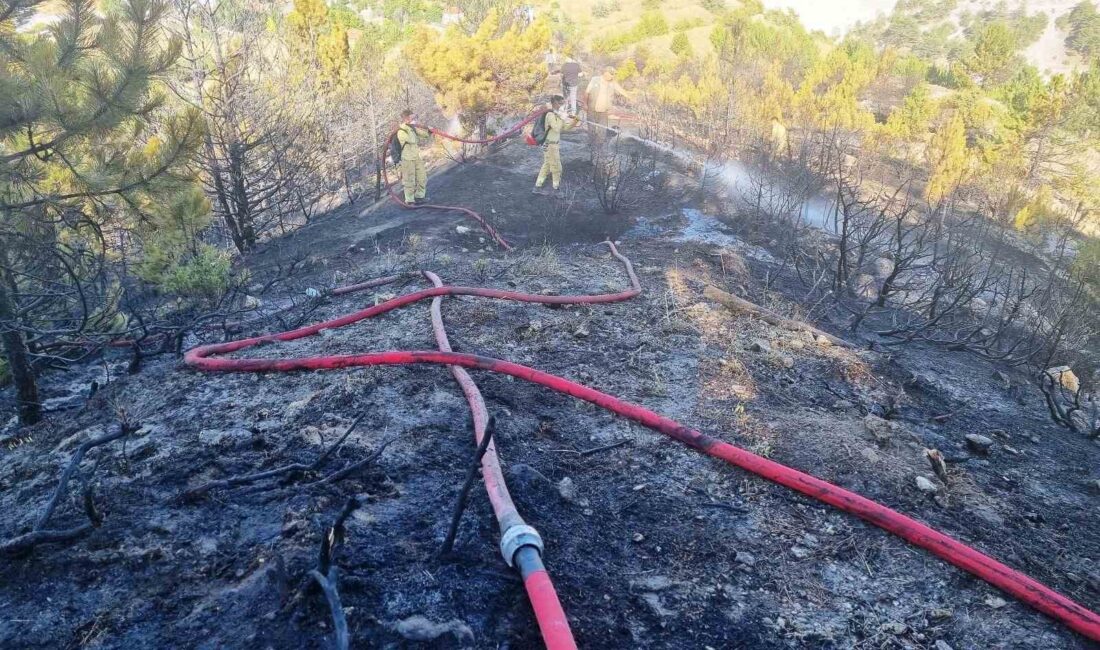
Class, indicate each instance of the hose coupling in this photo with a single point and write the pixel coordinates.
(515, 538)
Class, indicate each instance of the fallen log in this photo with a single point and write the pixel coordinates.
(768, 316)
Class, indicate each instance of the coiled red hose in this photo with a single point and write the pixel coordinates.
(514, 129)
(995, 573)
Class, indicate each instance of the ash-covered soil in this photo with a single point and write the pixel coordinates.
(650, 545)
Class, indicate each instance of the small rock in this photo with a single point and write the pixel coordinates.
(312, 293)
(881, 430)
(979, 443)
(748, 559)
(462, 230)
(419, 628)
(760, 345)
(217, 436)
(796, 345)
(251, 302)
(870, 455)
(528, 478)
(941, 613)
(897, 628)
(567, 489)
(925, 485)
(1034, 440)
(988, 516)
(786, 362)
(800, 552)
(638, 538)
(1064, 376)
(943, 645)
(581, 331)
(996, 602)
(1012, 450)
(822, 341)
(206, 545)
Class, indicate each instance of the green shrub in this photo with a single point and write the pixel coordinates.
(628, 69)
(1083, 25)
(911, 67)
(680, 45)
(605, 8)
(685, 24)
(652, 24)
(204, 275)
(951, 76)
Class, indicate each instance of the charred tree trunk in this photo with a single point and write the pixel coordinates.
(18, 358)
(239, 196)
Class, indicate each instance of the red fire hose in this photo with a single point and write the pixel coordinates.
(1009, 580)
(540, 590)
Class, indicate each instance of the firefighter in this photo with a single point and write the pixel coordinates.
(600, 98)
(551, 159)
(413, 175)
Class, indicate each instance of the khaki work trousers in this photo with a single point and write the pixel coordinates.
(551, 164)
(415, 178)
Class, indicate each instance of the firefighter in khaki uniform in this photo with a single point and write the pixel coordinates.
(413, 175)
(551, 159)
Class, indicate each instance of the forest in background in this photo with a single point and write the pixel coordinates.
(148, 147)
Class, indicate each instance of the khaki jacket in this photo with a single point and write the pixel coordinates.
(408, 136)
(555, 124)
(602, 92)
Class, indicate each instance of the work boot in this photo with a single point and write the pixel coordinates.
(538, 190)
(419, 201)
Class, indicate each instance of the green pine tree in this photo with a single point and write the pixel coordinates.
(85, 140)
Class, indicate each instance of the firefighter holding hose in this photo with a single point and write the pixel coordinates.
(547, 132)
(405, 150)
(600, 98)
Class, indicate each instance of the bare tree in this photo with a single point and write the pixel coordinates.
(618, 177)
(261, 159)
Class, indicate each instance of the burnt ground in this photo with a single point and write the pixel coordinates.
(653, 545)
